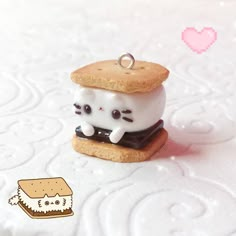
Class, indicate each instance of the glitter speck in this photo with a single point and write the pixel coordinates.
(160, 168)
(98, 172)
(222, 3)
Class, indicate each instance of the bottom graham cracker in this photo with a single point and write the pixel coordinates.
(119, 153)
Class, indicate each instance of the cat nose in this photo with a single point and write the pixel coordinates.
(101, 109)
(52, 202)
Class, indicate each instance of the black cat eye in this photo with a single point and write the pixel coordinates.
(116, 114)
(47, 203)
(57, 202)
(87, 109)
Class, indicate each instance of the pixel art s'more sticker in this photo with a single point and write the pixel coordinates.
(44, 198)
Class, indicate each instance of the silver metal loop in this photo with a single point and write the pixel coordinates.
(128, 55)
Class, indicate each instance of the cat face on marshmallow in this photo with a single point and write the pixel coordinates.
(109, 110)
(53, 203)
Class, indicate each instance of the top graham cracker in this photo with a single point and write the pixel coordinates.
(109, 75)
(38, 188)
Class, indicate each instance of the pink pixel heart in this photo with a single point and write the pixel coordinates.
(199, 41)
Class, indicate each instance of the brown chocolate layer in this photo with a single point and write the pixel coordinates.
(136, 140)
(49, 213)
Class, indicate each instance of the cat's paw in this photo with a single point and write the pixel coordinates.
(116, 135)
(87, 129)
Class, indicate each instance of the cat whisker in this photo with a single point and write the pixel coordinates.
(77, 106)
(64, 202)
(39, 203)
(127, 119)
(126, 111)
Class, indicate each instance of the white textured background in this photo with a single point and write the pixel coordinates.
(189, 188)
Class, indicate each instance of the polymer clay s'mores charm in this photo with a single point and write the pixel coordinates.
(119, 105)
